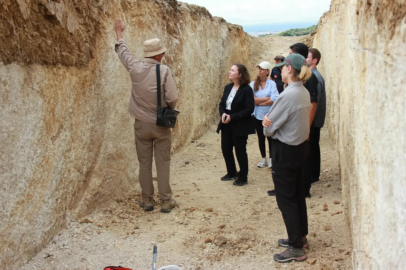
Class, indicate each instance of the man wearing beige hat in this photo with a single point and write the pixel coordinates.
(149, 137)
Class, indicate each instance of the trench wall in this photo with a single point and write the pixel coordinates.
(67, 139)
(363, 63)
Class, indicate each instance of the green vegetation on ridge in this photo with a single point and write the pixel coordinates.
(298, 31)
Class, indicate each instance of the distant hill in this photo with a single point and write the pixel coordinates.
(273, 29)
(298, 31)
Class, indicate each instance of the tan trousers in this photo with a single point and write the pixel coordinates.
(150, 138)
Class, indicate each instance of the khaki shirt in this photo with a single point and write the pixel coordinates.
(143, 101)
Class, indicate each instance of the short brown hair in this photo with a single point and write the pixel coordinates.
(245, 75)
(315, 54)
(279, 57)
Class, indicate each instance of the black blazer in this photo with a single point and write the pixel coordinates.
(242, 107)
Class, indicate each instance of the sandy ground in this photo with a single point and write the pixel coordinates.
(216, 225)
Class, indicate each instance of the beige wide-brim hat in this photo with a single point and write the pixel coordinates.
(153, 47)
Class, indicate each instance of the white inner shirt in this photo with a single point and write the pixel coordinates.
(230, 98)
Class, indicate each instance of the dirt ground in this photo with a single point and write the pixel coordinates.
(216, 225)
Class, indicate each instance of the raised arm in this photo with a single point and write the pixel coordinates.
(119, 28)
(121, 48)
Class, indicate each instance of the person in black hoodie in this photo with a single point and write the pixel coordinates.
(236, 108)
(276, 74)
(311, 85)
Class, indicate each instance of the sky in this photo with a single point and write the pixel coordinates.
(251, 12)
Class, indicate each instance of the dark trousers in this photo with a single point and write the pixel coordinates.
(312, 173)
(288, 175)
(228, 142)
(261, 138)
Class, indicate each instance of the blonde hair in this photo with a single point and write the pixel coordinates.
(302, 75)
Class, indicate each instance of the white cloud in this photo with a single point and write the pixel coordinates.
(265, 11)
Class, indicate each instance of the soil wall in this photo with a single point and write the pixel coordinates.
(67, 138)
(363, 63)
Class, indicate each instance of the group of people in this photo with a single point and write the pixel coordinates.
(285, 105)
(290, 118)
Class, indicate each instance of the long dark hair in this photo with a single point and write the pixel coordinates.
(258, 81)
(245, 75)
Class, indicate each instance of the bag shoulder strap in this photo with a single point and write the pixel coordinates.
(158, 82)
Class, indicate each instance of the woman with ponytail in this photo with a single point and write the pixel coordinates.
(288, 124)
(265, 94)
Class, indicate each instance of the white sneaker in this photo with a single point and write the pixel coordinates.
(270, 163)
(263, 163)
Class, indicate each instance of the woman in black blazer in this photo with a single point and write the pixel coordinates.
(236, 107)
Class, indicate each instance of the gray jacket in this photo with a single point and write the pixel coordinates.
(290, 115)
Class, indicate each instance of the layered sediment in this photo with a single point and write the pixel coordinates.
(363, 63)
(67, 138)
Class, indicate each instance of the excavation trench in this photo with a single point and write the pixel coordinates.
(216, 225)
(69, 167)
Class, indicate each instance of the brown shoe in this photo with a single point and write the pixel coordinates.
(166, 206)
(147, 205)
